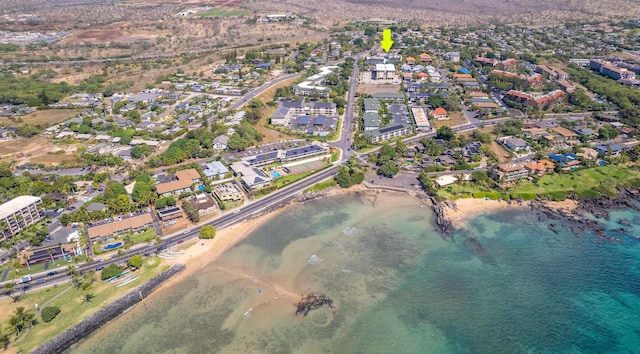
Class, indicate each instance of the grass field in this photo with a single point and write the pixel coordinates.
(72, 307)
(322, 185)
(580, 182)
(576, 181)
(218, 12)
(144, 236)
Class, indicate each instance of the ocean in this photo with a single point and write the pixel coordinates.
(503, 283)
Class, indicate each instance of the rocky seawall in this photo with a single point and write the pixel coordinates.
(72, 335)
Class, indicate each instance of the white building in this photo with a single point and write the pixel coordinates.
(385, 72)
(19, 213)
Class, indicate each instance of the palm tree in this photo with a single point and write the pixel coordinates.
(21, 319)
(61, 249)
(25, 258)
(8, 291)
(50, 252)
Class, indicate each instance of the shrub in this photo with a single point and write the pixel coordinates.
(110, 271)
(587, 193)
(49, 313)
(557, 196)
(528, 196)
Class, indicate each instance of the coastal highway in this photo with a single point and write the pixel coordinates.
(248, 211)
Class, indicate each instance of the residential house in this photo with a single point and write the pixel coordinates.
(185, 179)
(228, 192)
(252, 177)
(169, 213)
(586, 132)
(514, 144)
(539, 168)
(220, 142)
(569, 136)
(215, 170)
(439, 114)
(508, 172)
(203, 203)
(609, 149)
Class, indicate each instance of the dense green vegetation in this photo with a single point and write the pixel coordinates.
(625, 97)
(37, 90)
(111, 271)
(349, 175)
(207, 232)
(135, 261)
(49, 313)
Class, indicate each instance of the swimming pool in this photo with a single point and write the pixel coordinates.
(112, 246)
(275, 174)
(201, 187)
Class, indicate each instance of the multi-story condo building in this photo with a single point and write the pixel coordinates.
(19, 213)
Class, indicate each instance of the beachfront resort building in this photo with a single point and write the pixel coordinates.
(20, 213)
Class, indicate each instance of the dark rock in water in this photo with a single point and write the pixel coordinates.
(475, 246)
(624, 222)
(310, 302)
(445, 226)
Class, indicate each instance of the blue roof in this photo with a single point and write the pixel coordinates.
(464, 71)
(304, 120)
(563, 158)
(320, 120)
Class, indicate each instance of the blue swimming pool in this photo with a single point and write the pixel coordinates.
(201, 187)
(275, 174)
(112, 246)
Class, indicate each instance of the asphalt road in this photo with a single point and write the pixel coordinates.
(251, 94)
(254, 208)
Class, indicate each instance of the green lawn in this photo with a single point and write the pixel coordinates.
(322, 185)
(219, 12)
(579, 180)
(288, 179)
(144, 236)
(583, 182)
(72, 309)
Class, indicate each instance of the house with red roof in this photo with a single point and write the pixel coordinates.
(439, 114)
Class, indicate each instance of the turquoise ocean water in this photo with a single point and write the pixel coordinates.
(504, 283)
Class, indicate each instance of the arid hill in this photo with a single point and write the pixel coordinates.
(448, 13)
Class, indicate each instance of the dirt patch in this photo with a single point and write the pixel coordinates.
(365, 89)
(457, 118)
(109, 35)
(501, 153)
(270, 135)
(46, 118)
(38, 150)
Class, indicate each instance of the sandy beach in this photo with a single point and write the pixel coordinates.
(469, 207)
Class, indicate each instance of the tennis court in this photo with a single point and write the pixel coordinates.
(305, 167)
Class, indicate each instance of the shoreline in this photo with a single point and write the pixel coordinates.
(458, 212)
(203, 252)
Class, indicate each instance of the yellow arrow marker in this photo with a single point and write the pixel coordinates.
(387, 42)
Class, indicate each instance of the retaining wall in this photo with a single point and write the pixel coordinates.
(65, 339)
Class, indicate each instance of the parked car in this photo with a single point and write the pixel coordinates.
(99, 268)
(50, 274)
